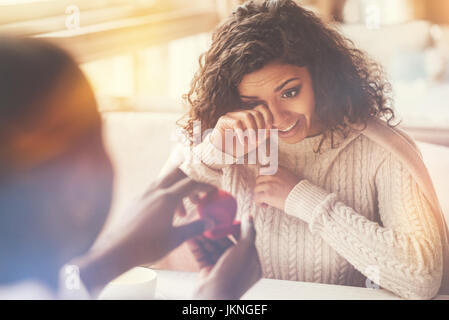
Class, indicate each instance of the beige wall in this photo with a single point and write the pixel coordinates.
(436, 11)
(326, 8)
(225, 7)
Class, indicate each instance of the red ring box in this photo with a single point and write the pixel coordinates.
(221, 207)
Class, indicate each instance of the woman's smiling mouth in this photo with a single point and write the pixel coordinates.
(290, 130)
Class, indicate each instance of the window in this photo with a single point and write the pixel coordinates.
(150, 79)
(130, 49)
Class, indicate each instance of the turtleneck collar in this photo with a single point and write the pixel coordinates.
(311, 144)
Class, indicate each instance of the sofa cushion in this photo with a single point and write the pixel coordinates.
(138, 143)
(436, 159)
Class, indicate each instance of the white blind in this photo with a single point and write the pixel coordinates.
(94, 29)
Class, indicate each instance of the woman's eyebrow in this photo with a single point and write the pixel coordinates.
(249, 97)
(285, 83)
(275, 90)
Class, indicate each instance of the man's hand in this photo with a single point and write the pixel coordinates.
(148, 235)
(207, 252)
(273, 190)
(227, 270)
(152, 228)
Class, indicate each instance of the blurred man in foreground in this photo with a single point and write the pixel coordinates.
(56, 187)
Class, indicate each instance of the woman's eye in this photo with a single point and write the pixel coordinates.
(291, 93)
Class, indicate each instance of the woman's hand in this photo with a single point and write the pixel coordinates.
(244, 123)
(148, 235)
(273, 190)
(227, 270)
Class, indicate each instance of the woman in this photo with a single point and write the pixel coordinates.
(342, 205)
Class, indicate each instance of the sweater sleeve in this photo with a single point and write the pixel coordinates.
(204, 162)
(405, 249)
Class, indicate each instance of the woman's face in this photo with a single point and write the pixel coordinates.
(287, 91)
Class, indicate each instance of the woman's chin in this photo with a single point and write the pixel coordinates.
(293, 140)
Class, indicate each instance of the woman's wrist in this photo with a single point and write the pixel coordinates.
(211, 154)
(228, 147)
(303, 199)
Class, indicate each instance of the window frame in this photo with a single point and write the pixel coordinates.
(109, 27)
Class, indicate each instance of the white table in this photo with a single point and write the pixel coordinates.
(176, 285)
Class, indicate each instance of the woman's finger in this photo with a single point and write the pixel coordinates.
(249, 120)
(262, 132)
(276, 177)
(262, 187)
(268, 116)
(265, 179)
(239, 128)
(251, 127)
(260, 126)
(259, 197)
(258, 117)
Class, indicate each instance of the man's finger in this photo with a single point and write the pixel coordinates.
(166, 181)
(171, 178)
(181, 210)
(187, 187)
(248, 232)
(196, 197)
(201, 256)
(192, 229)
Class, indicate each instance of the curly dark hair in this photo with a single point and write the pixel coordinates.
(349, 87)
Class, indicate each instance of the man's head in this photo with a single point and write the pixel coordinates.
(55, 176)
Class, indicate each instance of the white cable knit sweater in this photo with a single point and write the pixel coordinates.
(358, 213)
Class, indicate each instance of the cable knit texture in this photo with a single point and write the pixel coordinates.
(357, 213)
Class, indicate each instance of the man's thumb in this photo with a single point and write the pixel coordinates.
(248, 232)
(192, 229)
